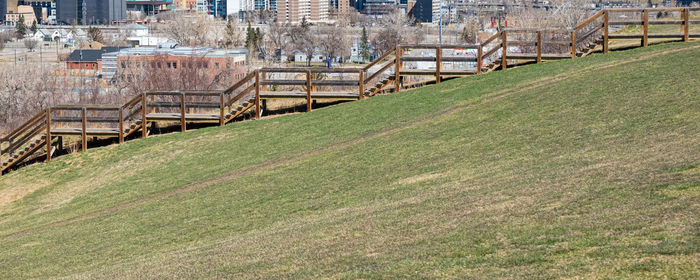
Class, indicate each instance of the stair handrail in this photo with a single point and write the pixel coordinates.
(589, 20)
(30, 133)
(9, 137)
(237, 85)
(383, 56)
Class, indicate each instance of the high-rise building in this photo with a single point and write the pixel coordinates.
(149, 7)
(233, 7)
(7, 6)
(318, 10)
(90, 11)
(294, 11)
(424, 10)
(378, 7)
(190, 5)
(44, 10)
(342, 6)
(3, 10)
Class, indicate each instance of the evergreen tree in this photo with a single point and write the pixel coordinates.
(33, 28)
(304, 23)
(250, 37)
(258, 38)
(364, 45)
(21, 28)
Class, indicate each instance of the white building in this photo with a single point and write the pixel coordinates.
(233, 7)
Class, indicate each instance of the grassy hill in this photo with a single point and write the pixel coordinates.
(587, 167)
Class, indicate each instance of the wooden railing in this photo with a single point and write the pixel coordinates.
(309, 84)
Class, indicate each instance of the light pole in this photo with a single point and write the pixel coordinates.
(440, 22)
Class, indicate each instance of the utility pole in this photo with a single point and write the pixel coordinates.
(440, 22)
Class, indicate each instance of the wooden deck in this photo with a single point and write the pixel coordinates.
(208, 118)
(314, 95)
(89, 131)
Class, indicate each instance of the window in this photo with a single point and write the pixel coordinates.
(123, 65)
(158, 65)
(170, 65)
(228, 65)
(175, 65)
(216, 65)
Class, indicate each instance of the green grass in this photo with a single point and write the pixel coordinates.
(585, 168)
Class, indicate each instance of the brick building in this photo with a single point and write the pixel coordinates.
(173, 60)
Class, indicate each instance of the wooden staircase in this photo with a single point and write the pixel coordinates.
(379, 86)
(240, 109)
(20, 155)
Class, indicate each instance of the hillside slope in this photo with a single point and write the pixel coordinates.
(582, 168)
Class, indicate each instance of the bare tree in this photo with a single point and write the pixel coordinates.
(95, 35)
(333, 42)
(470, 31)
(396, 29)
(30, 44)
(191, 29)
(232, 34)
(4, 38)
(304, 41)
(276, 38)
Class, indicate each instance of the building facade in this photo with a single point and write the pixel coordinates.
(212, 61)
(189, 5)
(23, 12)
(149, 7)
(88, 12)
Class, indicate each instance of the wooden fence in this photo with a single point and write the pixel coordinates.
(47, 129)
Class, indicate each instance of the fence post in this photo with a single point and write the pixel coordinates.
(183, 111)
(308, 91)
(257, 95)
(144, 109)
(504, 42)
(573, 43)
(121, 125)
(686, 26)
(479, 59)
(48, 134)
(221, 109)
(438, 64)
(59, 113)
(83, 133)
(605, 31)
(539, 46)
(153, 99)
(362, 84)
(645, 28)
(397, 75)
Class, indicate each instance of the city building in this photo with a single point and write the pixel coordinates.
(7, 6)
(318, 11)
(425, 10)
(23, 12)
(88, 12)
(189, 5)
(378, 7)
(167, 58)
(88, 59)
(149, 7)
(233, 7)
(294, 11)
(44, 10)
